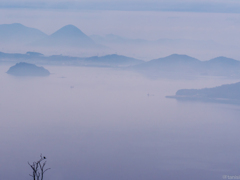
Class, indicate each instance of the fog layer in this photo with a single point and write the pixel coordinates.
(201, 35)
(99, 123)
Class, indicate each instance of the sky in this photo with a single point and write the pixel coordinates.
(224, 6)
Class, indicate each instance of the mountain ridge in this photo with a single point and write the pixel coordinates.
(184, 65)
(20, 34)
(67, 36)
(112, 60)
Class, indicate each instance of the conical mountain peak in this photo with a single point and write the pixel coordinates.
(67, 36)
(69, 31)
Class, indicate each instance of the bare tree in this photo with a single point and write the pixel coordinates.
(38, 168)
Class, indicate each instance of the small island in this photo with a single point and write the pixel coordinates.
(228, 93)
(27, 69)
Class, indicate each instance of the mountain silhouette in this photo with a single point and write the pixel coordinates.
(27, 69)
(19, 34)
(228, 93)
(183, 65)
(221, 66)
(175, 59)
(171, 66)
(112, 60)
(172, 61)
(223, 61)
(67, 36)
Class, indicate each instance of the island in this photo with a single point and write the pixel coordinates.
(228, 93)
(27, 69)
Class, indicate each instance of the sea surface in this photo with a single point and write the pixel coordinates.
(109, 124)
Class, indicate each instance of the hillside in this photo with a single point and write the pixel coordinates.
(113, 60)
(67, 36)
(19, 34)
(183, 65)
(26, 69)
(228, 93)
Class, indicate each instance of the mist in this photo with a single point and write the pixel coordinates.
(201, 35)
(104, 90)
(98, 123)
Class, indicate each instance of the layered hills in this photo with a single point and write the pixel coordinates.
(171, 66)
(174, 65)
(183, 65)
(112, 60)
(173, 62)
(68, 36)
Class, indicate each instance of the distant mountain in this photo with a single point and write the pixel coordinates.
(115, 39)
(26, 69)
(223, 61)
(5, 57)
(221, 66)
(169, 66)
(183, 65)
(229, 93)
(19, 34)
(35, 54)
(68, 36)
(147, 49)
(173, 66)
(112, 60)
(17, 37)
(174, 59)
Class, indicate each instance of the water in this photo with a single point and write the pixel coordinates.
(99, 123)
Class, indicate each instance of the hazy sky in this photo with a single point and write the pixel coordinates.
(226, 6)
(135, 24)
(150, 19)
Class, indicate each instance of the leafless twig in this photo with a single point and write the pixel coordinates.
(38, 168)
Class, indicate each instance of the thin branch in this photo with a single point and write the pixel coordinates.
(38, 168)
(46, 170)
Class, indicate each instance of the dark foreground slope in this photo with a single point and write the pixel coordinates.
(228, 93)
(26, 69)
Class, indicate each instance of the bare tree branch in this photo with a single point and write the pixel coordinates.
(46, 170)
(38, 168)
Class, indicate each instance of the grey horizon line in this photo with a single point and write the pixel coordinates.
(161, 7)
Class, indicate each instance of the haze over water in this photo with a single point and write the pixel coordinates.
(100, 123)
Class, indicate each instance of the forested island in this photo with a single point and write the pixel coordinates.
(27, 69)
